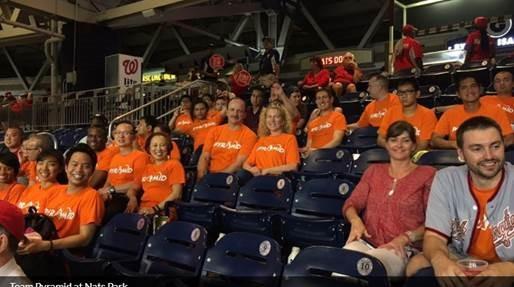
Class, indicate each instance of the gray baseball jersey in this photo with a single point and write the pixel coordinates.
(452, 211)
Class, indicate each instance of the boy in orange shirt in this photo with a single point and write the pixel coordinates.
(96, 140)
(420, 117)
(468, 90)
(227, 146)
(10, 190)
(503, 86)
(182, 116)
(76, 209)
(127, 166)
(327, 130)
(378, 89)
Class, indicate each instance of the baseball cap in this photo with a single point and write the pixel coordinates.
(408, 30)
(481, 22)
(11, 219)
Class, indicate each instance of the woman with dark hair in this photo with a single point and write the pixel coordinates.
(202, 124)
(10, 190)
(317, 77)
(387, 208)
(162, 179)
(182, 116)
(479, 46)
(49, 165)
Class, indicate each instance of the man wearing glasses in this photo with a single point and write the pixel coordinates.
(420, 117)
(468, 90)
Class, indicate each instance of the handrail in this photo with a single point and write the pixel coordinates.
(154, 101)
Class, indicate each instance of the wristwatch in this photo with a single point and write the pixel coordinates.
(112, 190)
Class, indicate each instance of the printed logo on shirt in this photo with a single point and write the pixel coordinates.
(121, 170)
(418, 131)
(506, 108)
(503, 232)
(152, 178)
(378, 115)
(228, 145)
(203, 126)
(183, 122)
(22, 205)
(278, 148)
(454, 129)
(459, 228)
(321, 127)
(61, 213)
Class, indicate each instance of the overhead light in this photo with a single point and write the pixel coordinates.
(424, 3)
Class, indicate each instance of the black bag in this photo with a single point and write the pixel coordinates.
(41, 223)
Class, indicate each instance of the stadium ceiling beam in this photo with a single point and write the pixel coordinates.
(211, 35)
(180, 40)
(39, 75)
(258, 30)
(60, 8)
(151, 46)
(374, 25)
(22, 79)
(239, 28)
(186, 13)
(316, 27)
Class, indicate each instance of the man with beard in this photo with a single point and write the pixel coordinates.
(469, 212)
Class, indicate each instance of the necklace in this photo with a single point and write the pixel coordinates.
(395, 179)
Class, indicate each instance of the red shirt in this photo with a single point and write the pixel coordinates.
(477, 54)
(405, 50)
(386, 214)
(322, 78)
(342, 75)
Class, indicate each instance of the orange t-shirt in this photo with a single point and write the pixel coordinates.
(175, 151)
(127, 168)
(224, 145)
(28, 169)
(454, 117)
(104, 157)
(199, 129)
(272, 151)
(423, 120)
(503, 102)
(321, 129)
(141, 140)
(37, 196)
(69, 211)
(182, 122)
(482, 244)
(12, 192)
(157, 181)
(376, 110)
(213, 113)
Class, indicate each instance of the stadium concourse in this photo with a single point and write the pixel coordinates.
(266, 171)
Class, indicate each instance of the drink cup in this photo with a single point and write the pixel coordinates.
(472, 267)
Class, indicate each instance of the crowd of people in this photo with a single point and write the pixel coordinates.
(414, 219)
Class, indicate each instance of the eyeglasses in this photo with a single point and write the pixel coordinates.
(405, 92)
(123, 133)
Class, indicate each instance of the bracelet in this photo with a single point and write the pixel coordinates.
(408, 238)
(51, 245)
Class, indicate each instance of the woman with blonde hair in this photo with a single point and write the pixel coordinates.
(276, 150)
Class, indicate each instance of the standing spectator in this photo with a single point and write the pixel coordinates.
(503, 99)
(269, 66)
(97, 139)
(10, 190)
(12, 229)
(346, 75)
(207, 71)
(378, 89)
(408, 52)
(254, 110)
(317, 77)
(182, 116)
(227, 146)
(479, 46)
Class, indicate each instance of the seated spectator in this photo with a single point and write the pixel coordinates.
(12, 141)
(35, 145)
(296, 98)
(345, 76)
(422, 119)
(99, 120)
(202, 124)
(12, 229)
(317, 78)
(327, 130)
(162, 179)
(279, 98)
(50, 165)
(182, 116)
(220, 104)
(378, 89)
(253, 112)
(227, 146)
(97, 140)
(209, 100)
(127, 166)
(468, 90)
(276, 150)
(469, 211)
(10, 190)
(504, 99)
(175, 150)
(387, 208)
(75, 209)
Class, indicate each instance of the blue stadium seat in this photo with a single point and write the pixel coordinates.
(316, 217)
(480, 70)
(440, 75)
(243, 259)
(428, 95)
(214, 189)
(361, 139)
(176, 250)
(323, 163)
(365, 159)
(440, 158)
(352, 107)
(123, 238)
(260, 203)
(330, 266)
(191, 170)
